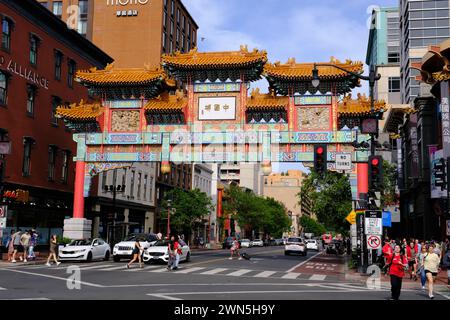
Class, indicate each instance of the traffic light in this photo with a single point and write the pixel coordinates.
(439, 170)
(375, 172)
(320, 158)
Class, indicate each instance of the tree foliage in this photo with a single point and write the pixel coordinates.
(331, 198)
(253, 212)
(389, 182)
(312, 226)
(189, 207)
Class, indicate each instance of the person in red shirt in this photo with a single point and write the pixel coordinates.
(397, 266)
(411, 254)
(387, 253)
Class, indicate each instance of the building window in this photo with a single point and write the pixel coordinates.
(178, 16)
(393, 57)
(26, 165)
(139, 186)
(183, 23)
(165, 4)
(145, 187)
(72, 66)
(6, 34)
(57, 8)
(394, 84)
(58, 64)
(165, 19)
(31, 98)
(34, 41)
(171, 27)
(52, 151)
(151, 189)
(56, 102)
(104, 181)
(65, 166)
(172, 8)
(82, 27)
(84, 7)
(133, 176)
(3, 88)
(164, 41)
(178, 34)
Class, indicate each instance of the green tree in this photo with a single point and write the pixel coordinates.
(276, 221)
(331, 196)
(312, 226)
(189, 207)
(389, 182)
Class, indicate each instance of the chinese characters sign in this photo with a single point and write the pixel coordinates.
(217, 108)
(445, 119)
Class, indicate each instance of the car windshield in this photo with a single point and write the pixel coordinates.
(161, 243)
(294, 240)
(80, 243)
(136, 237)
(245, 240)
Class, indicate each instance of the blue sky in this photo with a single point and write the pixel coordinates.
(309, 30)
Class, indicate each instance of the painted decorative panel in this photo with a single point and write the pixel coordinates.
(217, 87)
(312, 100)
(125, 121)
(124, 104)
(313, 118)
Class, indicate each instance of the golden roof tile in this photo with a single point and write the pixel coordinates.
(226, 59)
(80, 112)
(258, 101)
(113, 76)
(359, 107)
(167, 102)
(293, 71)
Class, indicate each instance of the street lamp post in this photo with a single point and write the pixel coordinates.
(114, 189)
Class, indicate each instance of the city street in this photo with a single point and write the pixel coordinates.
(269, 275)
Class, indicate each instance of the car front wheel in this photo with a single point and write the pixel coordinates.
(188, 257)
(106, 256)
(116, 259)
(89, 257)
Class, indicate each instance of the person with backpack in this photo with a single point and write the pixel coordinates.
(397, 265)
(411, 256)
(431, 264)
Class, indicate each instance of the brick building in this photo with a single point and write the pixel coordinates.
(38, 59)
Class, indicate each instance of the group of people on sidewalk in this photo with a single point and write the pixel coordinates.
(22, 244)
(419, 258)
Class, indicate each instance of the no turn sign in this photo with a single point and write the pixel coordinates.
(373, 242)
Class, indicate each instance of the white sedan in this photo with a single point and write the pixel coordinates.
(257, 243)
(246, 243)
(85, 250)
(295, 245)
(312, 245)
(159, 251)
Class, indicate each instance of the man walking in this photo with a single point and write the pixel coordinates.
(16, 244)
(25, 243)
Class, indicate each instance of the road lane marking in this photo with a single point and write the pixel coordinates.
(57, 278)
(302, 263)
(27, 299)
(317, 277)
(225, 257)
(265, 274)
(214, 271)
(145, 268)
(190, 270)
(93, 267)
(232, 284)
(159, 270)
(1, 288)
(291, 275)
(239, 272)
(114, 268)
(162, 296)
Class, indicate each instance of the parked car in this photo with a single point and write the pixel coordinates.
(124, 249)
(227, 243)
(279, 242)
(159, 251)
(295, 245)
(312, 244)
(245, 243)
(85, 250)
(257, 243)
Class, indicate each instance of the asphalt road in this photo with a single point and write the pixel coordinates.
(268, 275)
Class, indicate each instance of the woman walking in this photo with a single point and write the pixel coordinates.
(174, 253)
(10, 246)
(420, 266)
(33, 243)
(431, 264)
(397, 267)
(136, 254)
(411, 256)
(53, 244)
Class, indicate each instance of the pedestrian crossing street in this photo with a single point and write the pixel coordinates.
(184, 269)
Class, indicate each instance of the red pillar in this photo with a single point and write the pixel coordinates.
(219, 202)
(78, 201)
(363, 178)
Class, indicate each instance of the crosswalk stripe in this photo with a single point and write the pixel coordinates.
(114, 268)
(190, 270)
(291, 275)
(1, 288)
(145, 268)
(214, 271)
(96, 267)
(318, 277)
(239, 272)
(159, 270)
(265, 274)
